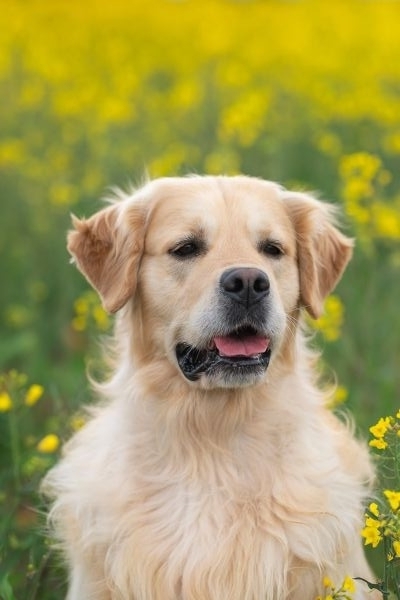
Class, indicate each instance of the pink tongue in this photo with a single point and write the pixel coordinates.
(247, 346)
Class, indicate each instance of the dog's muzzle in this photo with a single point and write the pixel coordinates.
(241, 353)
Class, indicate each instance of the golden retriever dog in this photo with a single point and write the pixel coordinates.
(212, 468)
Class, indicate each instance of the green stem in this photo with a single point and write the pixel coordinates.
(386, 570)
(15, 453)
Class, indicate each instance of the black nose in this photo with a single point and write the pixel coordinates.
(245, 285)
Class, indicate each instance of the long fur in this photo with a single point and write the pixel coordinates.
(183, 491)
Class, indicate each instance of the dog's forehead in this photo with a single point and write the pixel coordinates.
(209, 204)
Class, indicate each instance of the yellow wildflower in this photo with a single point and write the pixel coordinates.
(81, 305)
(393, 498)
(101, 318)
(396, 548)
(387, 221)
(360, 164)
(370, 522)
(373, 509)
(328, 583)
(371, 535)
(349, 584)
(330, 323)
(339, 397)
(33, 394)
(5, 402)
(379, 444)
(49, 444)
(79, 323)
(381, 427)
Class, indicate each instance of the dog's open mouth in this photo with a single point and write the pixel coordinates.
(240, 352)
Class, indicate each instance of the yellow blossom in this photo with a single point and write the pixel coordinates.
(33, 394)
(6, 403)
(328, 583)
(330, 323)
(381, 427)
(79, 323)
(371, 535)
(379, 444)
(369, 522)
(349, 584)
(393, 499)
(339, 396)
(49, 444)
(101, 318)
(396, 547)
(374, 509)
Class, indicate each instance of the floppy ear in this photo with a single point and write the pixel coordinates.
(323, 251)
(107, 249)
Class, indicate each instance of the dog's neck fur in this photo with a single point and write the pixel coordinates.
(180, 410)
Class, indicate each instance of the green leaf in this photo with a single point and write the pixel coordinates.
(6, 592)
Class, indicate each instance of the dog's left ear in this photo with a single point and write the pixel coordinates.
(107, 249)
(323, 251)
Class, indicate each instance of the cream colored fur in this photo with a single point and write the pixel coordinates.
(179, 490)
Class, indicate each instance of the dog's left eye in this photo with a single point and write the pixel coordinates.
(187, 249)
(273, 249)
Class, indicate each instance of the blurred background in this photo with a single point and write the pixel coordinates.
(98, 94)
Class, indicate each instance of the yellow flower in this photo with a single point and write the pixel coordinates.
(380, 444)
(396, 548)
(79, 323)
(372, 536)
(330, 323)
(33, 394)
(5, 402)
(373, 509)
(393, 498)
(349, 584)
(101, 318)
(339, 397)
(369, 522)
(49, 444)
(381, 427)
(360, 164)
(328, 583)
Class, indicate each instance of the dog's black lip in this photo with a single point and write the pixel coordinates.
(194, 361)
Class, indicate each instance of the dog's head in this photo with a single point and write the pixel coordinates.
(214, 269)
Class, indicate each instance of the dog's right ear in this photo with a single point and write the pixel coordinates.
(323, 251)
(107, 249)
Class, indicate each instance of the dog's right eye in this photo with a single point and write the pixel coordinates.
(187, 249)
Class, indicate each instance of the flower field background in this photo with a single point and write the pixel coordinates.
(99, 93)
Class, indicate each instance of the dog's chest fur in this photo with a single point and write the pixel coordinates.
(244, 520)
